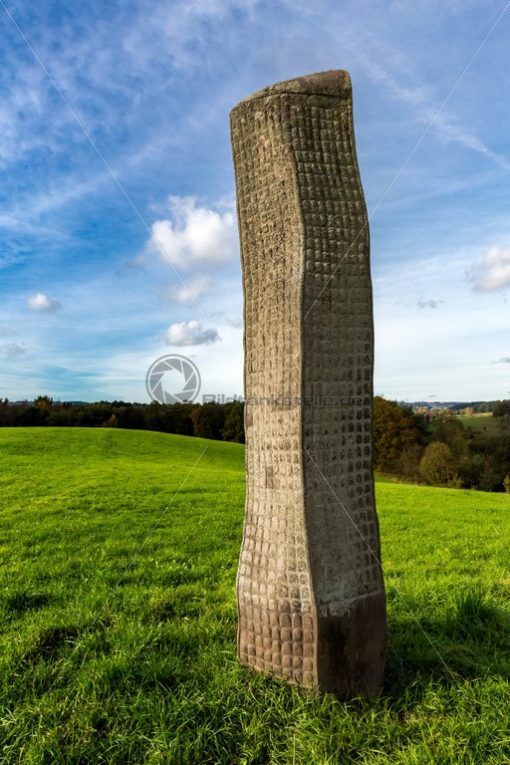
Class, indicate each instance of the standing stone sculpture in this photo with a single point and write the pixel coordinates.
(310, 591)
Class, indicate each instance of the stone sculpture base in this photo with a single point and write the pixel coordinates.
(310, 591)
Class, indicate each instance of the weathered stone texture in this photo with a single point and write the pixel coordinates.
(310, 591)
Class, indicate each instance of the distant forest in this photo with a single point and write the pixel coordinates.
(435, 449)
(223, 422)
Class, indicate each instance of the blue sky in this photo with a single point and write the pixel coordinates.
(117, 185)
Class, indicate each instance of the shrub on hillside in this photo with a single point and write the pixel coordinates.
(437, 465)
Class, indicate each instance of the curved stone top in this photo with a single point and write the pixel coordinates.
(334, 82)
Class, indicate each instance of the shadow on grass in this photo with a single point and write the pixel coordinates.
(50, 643)
(471, 641)
(15, 604)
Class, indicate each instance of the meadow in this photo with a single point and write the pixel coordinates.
(485, 422)
(118, 621)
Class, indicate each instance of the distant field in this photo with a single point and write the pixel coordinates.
(118, 559)
(480, 421)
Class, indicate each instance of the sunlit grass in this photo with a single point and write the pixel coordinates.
(118, 559)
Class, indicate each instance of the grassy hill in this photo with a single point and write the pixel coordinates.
(117, 611)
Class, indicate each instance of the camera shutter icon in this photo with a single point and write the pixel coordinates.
(173, 379)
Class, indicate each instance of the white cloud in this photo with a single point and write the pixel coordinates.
(194, 236)
(187, 293)
(44, 303)
(190, 333)
(493, 273)
(12, 350)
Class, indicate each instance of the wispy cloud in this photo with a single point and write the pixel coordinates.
(429, 303)
(189, 293)
(12, 350)
(458, 134)
(236, 322)
(182, 29)
(418, 96)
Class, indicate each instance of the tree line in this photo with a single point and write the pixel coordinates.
(212, 420)
(442, 451)
(414, 447)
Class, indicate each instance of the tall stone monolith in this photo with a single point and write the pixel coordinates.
(310, 591)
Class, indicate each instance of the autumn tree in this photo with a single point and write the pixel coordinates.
(397, 431)
(43, 402)
(437, 465)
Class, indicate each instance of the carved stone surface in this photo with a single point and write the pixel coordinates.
(310, 592)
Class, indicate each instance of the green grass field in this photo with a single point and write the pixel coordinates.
(480, 422)
(118, 623)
